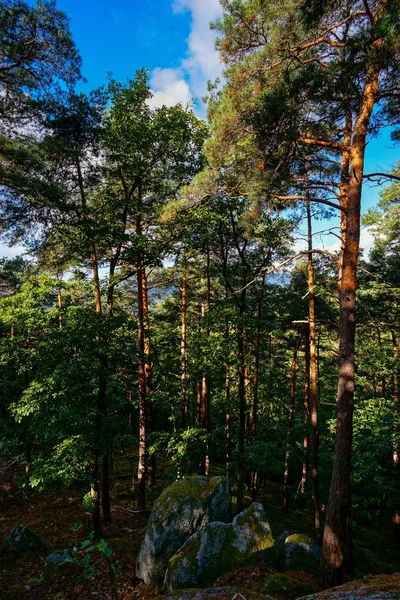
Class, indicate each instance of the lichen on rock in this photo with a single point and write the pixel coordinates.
(180, 510)
(297, 552)
(217, 548)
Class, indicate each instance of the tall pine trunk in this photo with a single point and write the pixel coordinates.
(242, 406)
(396, 473)
(306, 437)
(289, 426)
(184, 402)
(255, 386)
(336, 554)
(142, 461)
(102, 358)
(313, 373)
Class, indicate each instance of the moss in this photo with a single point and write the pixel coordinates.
(298, 552)
(218, 547)
(280, 583)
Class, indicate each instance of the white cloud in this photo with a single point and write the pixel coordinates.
(201, 63)
(333, 244)
(11, 251)
(367, 241)
(169, 88)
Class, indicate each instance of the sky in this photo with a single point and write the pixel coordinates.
(173, 40)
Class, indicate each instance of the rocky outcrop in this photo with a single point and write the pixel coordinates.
(297, 552)
(181, 509)
(217, 548)
(21, 539)
(224, 593)
(379, 587)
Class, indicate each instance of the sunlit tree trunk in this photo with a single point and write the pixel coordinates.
(142, 470)
(337, 535)
(313, 373)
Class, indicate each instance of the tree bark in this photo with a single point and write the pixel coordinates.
(105, 498)
(395, 405)
(242, 405)
(150, 460)
(313, 373)
(396, 474)
(337, 537)
(227, 421)
(101, 395)
(306, 437)
(255, 385)
(289, 427)
(142, 470)
(184, 404)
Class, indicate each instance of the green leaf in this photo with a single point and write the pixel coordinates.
(89, 573)
(85, 561)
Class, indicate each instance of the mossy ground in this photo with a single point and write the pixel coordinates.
(58, 518)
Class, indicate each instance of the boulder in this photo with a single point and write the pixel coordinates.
(55, 558)
(181, 509)
(297, 552)
(21, 539)
(217, 548)
(378, 587)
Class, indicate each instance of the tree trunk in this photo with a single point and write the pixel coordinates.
(105, 498)
(101, 396)
(306, 438)
(227, 421)
(59, 302)
(198, 403)
(142, 471)
(184, 404)
(396, 515)
(242, 406)
(395, 405)
(313, 373)
(337, 536)
(150, 461)
(289, 427)
(255, 385)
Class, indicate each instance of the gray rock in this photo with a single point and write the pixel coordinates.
(181, 509)
(21, 539)
(217, 548)
(221, 593)
(297, 552)
(57, 557)
(379, 587)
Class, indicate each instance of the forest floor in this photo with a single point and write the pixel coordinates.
(58, 518)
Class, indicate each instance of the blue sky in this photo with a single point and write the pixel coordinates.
(172, 39)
